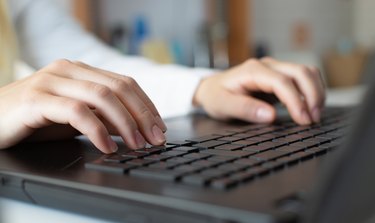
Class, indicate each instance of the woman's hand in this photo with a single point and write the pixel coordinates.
(73, 94)
(229, 94)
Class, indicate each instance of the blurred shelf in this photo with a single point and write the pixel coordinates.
(238, 25)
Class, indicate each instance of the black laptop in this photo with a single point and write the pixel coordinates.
(209, 171)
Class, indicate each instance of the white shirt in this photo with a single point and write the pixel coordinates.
(47, 33)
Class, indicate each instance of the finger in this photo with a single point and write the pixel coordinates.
(247, 108)
(124, 90)
(50, 108)
(308, 81)
(117, 84)
(269, 81)
(104, 101)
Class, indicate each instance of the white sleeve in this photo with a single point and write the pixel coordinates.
(46, 33)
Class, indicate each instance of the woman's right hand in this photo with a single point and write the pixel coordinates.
(92, 101)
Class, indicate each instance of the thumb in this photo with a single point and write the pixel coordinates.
(247, 108)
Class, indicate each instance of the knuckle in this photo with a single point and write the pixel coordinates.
(119, 85)
(284, 80)
(77, 62)
(130, 81)
(60, 64)
(252, 62)
(145, 112)
(304, 70)
(77, 109)
(315, 71)
(101, 91)
(39, 78)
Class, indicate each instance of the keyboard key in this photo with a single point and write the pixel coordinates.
(246, 175)
(223, 183)
(209, 144)
(179, 160)
(213, 173)
(232, 167)
(245, 143)
(115, 158)
(330, 146)
(303, 155)
(203, 138)
(223, 133)
(196, 156)
(230, 147)
(291, 148)
(173, 153)
(275, 164)
(316, 132)
(249, 161)
(117, 168)
(156, 174)
(157, 157)
(317, 151)
(133, 154)
(272, 144)
(258, 148)
(179, 143)
(163, 165)
(270, 155)
(164, 147)
(317, 141)
(196, 180)
(230, 139)
(236, 153)
(139, 162)
(186, 149)
(221, 159)
(305, 144)
(204, 163)
(187, 168)
(245, 135)
(289, 160)
(149, 151)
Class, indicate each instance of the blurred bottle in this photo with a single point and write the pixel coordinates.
(140, 33)
(119, 38)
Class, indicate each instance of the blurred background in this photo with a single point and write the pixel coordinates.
(338, 36)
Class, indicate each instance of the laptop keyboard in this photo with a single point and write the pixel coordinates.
(232, 157)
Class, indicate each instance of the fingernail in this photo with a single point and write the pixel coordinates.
(305, 117)
(264, 115)
(158, 134)
(112, 145)
(140, 140)
(161, 123)
(316, 114)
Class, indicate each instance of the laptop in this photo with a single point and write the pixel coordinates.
(209, 171)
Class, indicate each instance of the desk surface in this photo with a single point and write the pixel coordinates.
(19, 212)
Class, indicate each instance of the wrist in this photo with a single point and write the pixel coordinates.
(198, 94)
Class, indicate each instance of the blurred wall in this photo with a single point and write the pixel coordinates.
(364, 18)
(273, 21)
